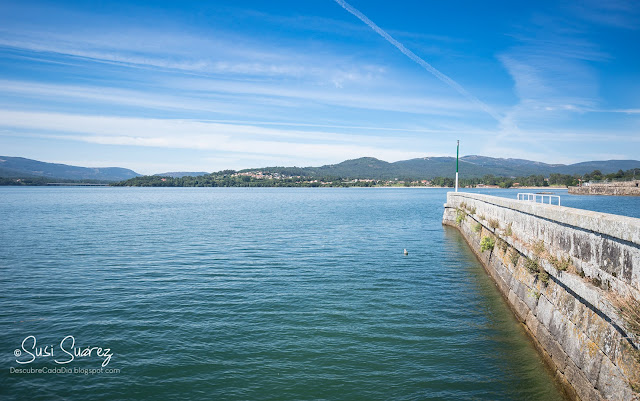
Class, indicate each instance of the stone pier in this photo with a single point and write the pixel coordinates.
(571, 277)
(624, 188)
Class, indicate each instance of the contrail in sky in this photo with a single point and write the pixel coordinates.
(418, 60)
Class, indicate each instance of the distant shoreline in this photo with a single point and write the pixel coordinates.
(76, 185)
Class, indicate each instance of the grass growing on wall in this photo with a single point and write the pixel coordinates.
(543, 276)
(538, 248)
(460, 216)
(487, 243)
(515, 256)
(477, 227)
(560, 264)
(532, 265)
(502, 245)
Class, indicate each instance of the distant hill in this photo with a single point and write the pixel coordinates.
(178, 174)
(606, 166)
(430, 167)
(21, 167)
(365, 167)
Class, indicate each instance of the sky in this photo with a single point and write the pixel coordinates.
(159, 86)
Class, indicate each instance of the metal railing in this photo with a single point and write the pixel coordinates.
(538, 198)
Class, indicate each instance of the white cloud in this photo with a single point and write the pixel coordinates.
(186, 134)
(193, 55)
(239, 98)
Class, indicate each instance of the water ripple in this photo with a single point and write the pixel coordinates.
(264, 294)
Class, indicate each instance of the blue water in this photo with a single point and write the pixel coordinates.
(253, 294)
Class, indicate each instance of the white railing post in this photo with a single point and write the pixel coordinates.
(529, 197)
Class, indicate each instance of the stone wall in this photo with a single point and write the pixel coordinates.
(625, 188)
(565, 273)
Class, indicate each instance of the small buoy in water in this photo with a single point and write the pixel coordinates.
(406, 252)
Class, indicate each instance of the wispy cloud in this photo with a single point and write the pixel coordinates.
(224, 62)
(554, 78)
(186, 134)
(551, 84)
(237, 98)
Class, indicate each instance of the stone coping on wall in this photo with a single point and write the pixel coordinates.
(621, 227)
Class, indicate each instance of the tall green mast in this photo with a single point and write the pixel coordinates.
(457, 156)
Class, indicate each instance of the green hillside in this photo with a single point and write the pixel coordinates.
(22, 167)
(430, 167)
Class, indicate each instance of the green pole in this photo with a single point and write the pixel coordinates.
(457, 155)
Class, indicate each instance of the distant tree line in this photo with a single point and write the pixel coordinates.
(508, 182)
(230, 178)
(227, 178)
(628, 175)
(540, 181)
(34, 181)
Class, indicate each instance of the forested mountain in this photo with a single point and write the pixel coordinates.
(21, 168)
(429, 167)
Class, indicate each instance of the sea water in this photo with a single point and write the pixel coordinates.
(252, 294)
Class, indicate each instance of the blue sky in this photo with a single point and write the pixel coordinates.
(204, 86)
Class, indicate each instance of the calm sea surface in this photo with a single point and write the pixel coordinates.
(254, 294)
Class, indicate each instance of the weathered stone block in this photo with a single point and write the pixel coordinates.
(544, 337)
(548, 291)
(583, 387)
(546, 356)
(583, 352)
(602, 333)
(531, 298)
(558, 324)
(544, 311)
(503, 286)
(558, 355)
(506, 275)
(532, 323)
(566, 302)
(515, 286)
(627, 359)
(573, 343)
(551, 346)
(512, 297)
(553, 293)
(567, 387)
(612, 383)
(580, 316)
(592, 362)
(521, 309)
(521, 290)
